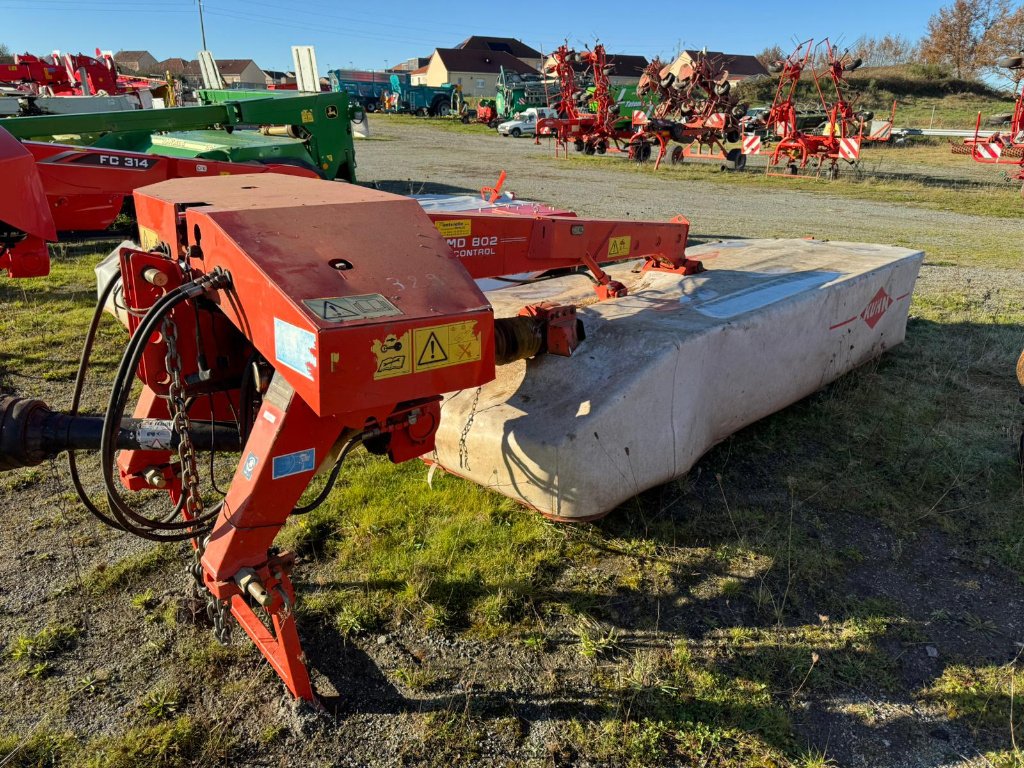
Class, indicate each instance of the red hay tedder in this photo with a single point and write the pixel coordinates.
(694, 108)
(590, 121)
(840, 141)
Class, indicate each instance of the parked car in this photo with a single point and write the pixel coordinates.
(525, 123)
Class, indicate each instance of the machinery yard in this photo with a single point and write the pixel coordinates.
(837, 584)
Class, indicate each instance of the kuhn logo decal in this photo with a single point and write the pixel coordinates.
(876, 308)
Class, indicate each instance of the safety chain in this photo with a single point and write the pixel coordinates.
(217, 611)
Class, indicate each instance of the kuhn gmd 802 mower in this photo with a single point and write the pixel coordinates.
(840, 139)
(695, 109)
(288, 321)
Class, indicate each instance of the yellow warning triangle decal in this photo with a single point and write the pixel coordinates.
(432, 352)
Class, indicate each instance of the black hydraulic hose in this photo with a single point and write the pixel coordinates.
(331, 480)
(76, 399)
(115, 411)
(127, 517)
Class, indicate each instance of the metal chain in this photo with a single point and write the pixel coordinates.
(217, 611)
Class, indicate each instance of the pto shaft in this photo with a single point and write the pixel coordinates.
(30, 433)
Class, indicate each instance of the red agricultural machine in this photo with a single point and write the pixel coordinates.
(70, 75)
(84, 189)
(694, 109)
(840, 140)
(588, 119)
(1002, 147)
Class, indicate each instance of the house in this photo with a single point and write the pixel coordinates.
(419, 76)
(241, 73)
(740, 66)
(277, 77)
(410, 65)
(176, 66)
(476, 70)
(511, 45)
(623, 69)
(140, 62)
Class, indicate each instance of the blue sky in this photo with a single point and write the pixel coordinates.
(369, 35)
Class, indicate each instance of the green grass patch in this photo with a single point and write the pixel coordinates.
(452, 125)
(45, 645)
(983, 698)
(131, 571)
(452, 556)
(176, 743)
(39, 749)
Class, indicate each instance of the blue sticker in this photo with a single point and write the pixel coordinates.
(295, 348)
(294, 463)
(250, 464)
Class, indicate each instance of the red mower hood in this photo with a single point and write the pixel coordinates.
(23, 209)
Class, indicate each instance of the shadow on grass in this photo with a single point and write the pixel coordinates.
(813, 557)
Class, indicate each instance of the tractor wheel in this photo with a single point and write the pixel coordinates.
(677, 155)
(578, 145)
(736, 159)
(792, 169)
(602, 147)
(678, 132)
(370, 106)
(516, 133)
(731, 137)
(465, 119)
(588, 148)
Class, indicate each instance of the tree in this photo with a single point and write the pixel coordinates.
(865, 48)
(960, 35)
(5, 54)
(893, 50)
(770, 55)
(1007, 39)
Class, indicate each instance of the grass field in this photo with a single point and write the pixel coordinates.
(748, 549)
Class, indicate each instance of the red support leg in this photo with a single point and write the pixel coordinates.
(287, 444)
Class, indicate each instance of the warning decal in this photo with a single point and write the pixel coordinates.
(619, 246)
(444, 345)
(394, 356)
(426, 349)
(431, 352)
(342, 308)
(148, 238)
(454, 227)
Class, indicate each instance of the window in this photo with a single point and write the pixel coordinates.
(481, 84)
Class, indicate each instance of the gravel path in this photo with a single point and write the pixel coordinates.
(715, 209)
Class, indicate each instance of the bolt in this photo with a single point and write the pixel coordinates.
(154, 477)
(248, 581)
(154, 276)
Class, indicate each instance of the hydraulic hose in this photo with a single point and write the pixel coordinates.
(128, 519)
(76, 398)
